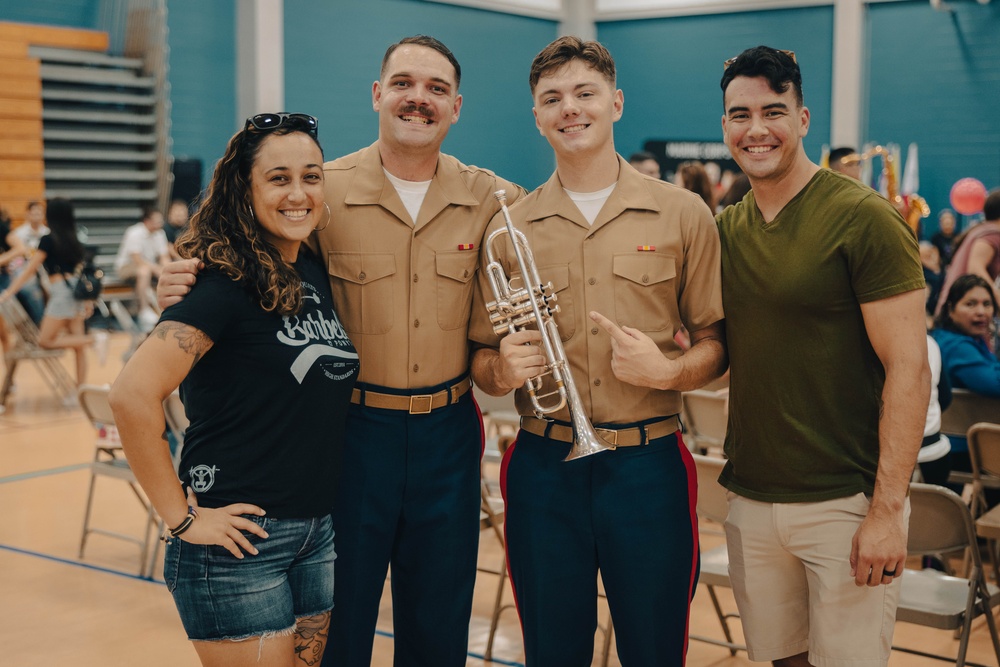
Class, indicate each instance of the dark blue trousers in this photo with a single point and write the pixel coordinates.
(629, 513)
(408, 499)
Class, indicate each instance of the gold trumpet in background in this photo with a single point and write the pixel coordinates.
(514, 309)
(913, 208)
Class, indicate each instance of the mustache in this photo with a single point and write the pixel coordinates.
(418, 108)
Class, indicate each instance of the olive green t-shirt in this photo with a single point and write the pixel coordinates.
(806, 385)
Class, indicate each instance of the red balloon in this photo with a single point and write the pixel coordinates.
(968, 196)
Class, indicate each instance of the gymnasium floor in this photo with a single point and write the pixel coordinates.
(56, 608)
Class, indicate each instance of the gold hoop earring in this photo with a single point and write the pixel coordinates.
(329, 216)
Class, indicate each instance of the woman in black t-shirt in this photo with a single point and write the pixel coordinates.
(266, 372)
(59, 252)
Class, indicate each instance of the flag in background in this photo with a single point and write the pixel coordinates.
(866, 167)
(911, 174)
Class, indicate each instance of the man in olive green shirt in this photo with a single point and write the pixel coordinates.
(823, 294)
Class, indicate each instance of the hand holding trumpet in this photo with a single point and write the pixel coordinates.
(521, 358)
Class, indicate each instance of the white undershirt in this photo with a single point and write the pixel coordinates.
(591, 203)
(410, 192)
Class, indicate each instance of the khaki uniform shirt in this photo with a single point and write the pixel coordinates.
(403, 289)
(650, 261)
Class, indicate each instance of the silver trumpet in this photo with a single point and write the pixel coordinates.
(513, 309)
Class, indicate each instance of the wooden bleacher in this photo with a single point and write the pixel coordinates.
(22, 171)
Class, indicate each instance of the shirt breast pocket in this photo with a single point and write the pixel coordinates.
(559, 277)
(362, 290)
(455, 271)
(645, 291)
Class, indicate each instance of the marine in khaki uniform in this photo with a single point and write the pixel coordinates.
(631, 259)
(402, 255)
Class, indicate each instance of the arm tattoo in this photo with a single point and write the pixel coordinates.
(189, 339)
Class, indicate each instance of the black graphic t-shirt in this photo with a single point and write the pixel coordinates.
(267, 403)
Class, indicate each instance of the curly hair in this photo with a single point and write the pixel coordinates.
(225, 235)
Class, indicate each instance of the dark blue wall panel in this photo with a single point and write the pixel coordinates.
(334, 50)
(935, 80)
(669, 70)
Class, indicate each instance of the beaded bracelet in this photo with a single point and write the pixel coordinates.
(185, 524)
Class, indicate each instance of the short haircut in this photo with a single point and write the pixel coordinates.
(430, 43)
(762, 61)
(149, 211)
(642, 156)
(991, 209)
(566, 49)
(838, 154)
(33, 204)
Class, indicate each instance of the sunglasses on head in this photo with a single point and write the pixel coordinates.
(791, 54)
(295, 121)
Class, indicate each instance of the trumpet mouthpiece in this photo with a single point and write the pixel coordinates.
(501, 196)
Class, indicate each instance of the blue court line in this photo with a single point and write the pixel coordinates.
(96, 568)
(43, 473)
(76, 563)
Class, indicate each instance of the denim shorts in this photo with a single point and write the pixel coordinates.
(62, 305)
(221, 597)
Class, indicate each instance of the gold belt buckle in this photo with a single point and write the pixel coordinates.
(605, 433)
(416, 405)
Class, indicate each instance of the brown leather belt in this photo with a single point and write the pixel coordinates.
(417, 404)
(623, 437)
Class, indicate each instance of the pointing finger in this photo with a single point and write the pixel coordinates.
(613, 329)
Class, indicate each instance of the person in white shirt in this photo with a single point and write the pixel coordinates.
(141, 256)
(28, 234)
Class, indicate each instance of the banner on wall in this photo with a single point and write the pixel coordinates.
(671, 152)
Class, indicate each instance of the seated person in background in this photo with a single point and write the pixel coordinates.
(62, 326)
(177, 224)
(960, 331)
(738, 189)
(27, 237)
(935, 450)
(692, 176)
(852, 168)
(979, 251)
(944, 238)
(141, 256)
(930, 259)
(645, 163)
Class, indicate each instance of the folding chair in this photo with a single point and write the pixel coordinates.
(109, 461)
(491, 516)
(984, 451)
(967, 409)
(712, 505)
(705, 416)
(26, 347)
(940, 522)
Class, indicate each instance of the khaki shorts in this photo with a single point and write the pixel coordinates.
(790, 568)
